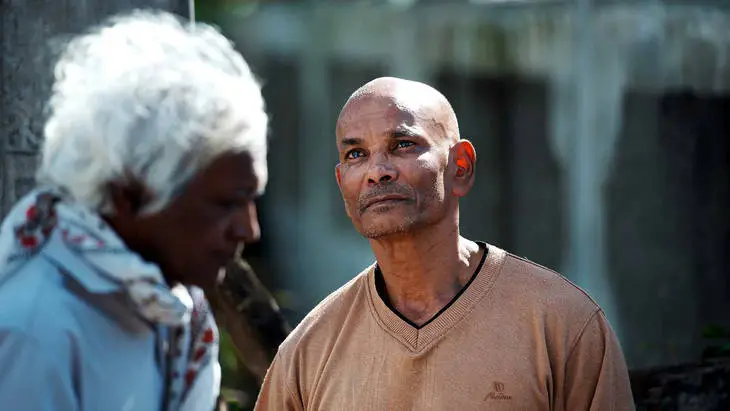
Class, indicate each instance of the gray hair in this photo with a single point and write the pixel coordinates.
(150, 97)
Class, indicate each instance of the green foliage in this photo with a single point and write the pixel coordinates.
(238, 388)
(719, 341)
(227, 358)
(210, 11)
(715, 331)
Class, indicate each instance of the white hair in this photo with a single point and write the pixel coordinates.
(149, 97)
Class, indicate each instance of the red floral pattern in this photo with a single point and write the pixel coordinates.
(202, 340)
(190, 377)
(199, 353)
(40, 220)
(29, 241)
(208, 336)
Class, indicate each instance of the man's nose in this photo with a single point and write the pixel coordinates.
(381, 170)
(245, 225)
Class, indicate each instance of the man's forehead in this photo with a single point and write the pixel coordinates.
(365, 110)
(237, 172)
(371, 113)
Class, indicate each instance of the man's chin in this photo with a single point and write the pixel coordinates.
(381, 232)
(205, 279)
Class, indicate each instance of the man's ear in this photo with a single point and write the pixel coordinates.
(465, 158)
(337, 175)
(339, 184)
(128, 197)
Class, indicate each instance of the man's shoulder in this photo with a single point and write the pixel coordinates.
(325, 319)
(546, 286)
(36, 302)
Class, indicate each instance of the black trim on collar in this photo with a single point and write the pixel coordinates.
(380, 287)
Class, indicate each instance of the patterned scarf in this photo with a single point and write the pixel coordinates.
(44, 220)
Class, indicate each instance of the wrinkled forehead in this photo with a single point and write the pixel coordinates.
(370, 116)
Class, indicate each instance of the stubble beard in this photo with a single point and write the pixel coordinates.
(379, 231)
(415, 218)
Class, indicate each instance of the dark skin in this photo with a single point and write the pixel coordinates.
(199, 231)
(403, 168)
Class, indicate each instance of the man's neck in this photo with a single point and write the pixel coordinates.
(424, 271)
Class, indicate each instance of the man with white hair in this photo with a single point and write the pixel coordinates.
(154, 152)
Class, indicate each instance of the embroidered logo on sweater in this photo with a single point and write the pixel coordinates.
(497, 392)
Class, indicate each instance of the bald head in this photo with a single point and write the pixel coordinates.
(415, 102)
(403, 165)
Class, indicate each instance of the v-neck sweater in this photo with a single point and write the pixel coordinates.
(519, 337)
(418, 338)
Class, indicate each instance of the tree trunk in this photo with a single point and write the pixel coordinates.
(250, 315)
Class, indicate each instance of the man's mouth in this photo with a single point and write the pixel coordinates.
(223, 258)
(383, 200)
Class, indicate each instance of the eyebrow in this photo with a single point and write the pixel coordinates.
(403, 132)
(248, 193)
(351, 141)
(395, 133)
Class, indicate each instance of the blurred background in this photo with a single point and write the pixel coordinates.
(600, 129)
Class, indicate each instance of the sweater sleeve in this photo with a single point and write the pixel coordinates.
(277, 393)
(596, 373)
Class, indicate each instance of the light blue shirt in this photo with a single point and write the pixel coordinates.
(64, 349)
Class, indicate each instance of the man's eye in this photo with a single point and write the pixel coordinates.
(353, 154)
(228, 204)
(404, 144)
(234, 203)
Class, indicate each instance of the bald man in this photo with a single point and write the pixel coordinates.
(439, 322)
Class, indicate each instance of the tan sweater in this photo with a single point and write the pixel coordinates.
(519, 337)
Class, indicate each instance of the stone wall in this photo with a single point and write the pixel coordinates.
(701, 387)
